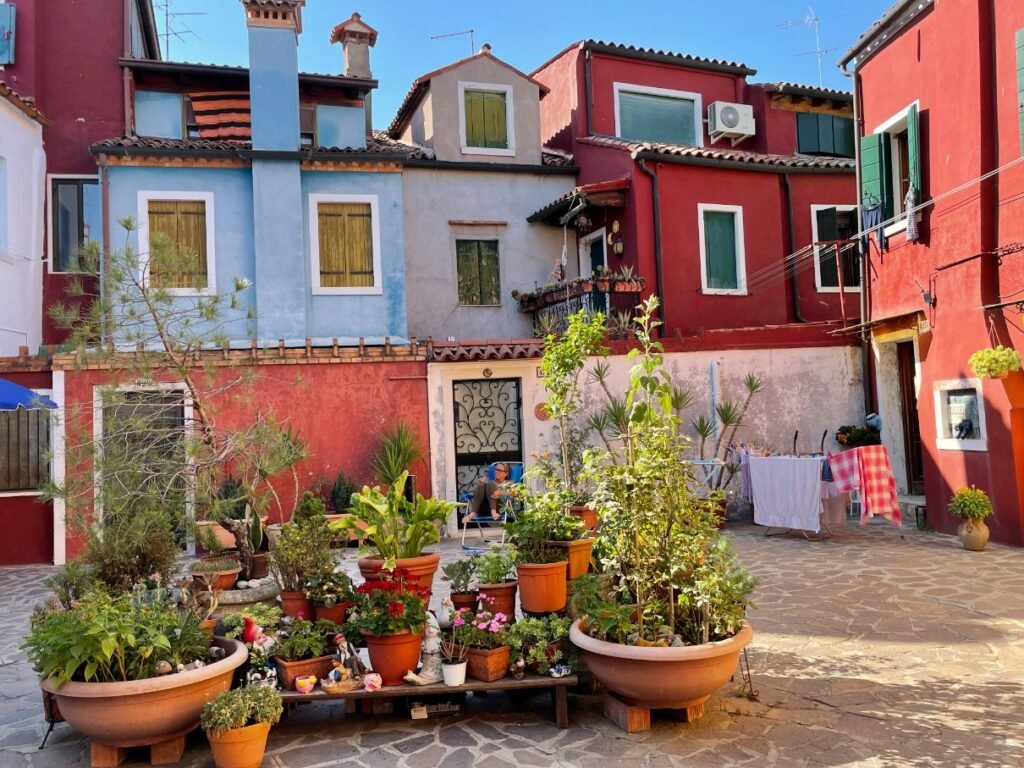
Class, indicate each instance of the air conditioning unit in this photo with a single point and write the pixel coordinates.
(730, 121)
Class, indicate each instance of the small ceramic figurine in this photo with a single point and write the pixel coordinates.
(444, 618)
(430, 670)
(561, 670)
(264, 676)
(373, 682)
(305, 684)
(518, 668)
(346, 656)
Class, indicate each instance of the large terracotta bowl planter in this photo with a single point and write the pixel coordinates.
(239, 747)
(422, 568)
(662, 678)
(392, 656)
(542, 586)
(141, 712)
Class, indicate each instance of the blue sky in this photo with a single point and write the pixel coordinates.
(525, 33)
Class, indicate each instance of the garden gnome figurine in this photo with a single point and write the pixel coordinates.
(430, 671)
(346, 657)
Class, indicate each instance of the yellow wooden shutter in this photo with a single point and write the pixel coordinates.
(346, 245)
(181, 261)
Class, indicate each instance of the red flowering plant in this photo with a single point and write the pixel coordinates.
(484, 629)
(389, 604)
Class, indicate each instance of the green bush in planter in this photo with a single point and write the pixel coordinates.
(240, 708)
(494, 566)
(997, 361)
(970, 504)
(263, 615)
(302, 552)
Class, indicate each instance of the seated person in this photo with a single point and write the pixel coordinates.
(488, 494)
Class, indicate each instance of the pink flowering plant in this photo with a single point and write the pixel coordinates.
(484, 629)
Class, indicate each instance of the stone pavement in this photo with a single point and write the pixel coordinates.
(879, 647)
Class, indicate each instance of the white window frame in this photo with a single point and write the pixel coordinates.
(741, 256)
(817, 249)
(50, 178)
(145, 197)
(897, 124)
(696, 98)
(42, 392)
(951, 443)
(510, 119)
(584, 251)
(377, 288)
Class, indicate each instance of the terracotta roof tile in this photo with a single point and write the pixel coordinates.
(379, 144)
(20, 102)
(683, 59)
(712, 153)
(485, 349)
(814, 91)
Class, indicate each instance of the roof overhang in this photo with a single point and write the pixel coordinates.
(601, 194)
(235, 75)
(886, 28)
(667, 57)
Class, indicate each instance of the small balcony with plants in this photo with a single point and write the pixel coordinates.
(616, 294)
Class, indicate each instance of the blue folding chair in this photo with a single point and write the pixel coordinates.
(482, 524)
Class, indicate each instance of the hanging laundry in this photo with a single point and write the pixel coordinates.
(872, 218)
(909, 205)
(845, 470)
(877, 485)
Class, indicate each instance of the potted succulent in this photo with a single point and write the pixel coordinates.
(390, 613)
(995, 363)
(483, 635)
(397, 530)
(124, 669)
(671, 631)
(237, 724)
(541, 566)
(301, 553)
(538, 642)
(493, 570)
(331, 594)
(303, 648)
(460, 574)
(972, 505)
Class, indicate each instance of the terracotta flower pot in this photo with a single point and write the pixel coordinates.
(588, 515)
(336, 613)
(141, 712)
(219, 580)
(542, 586)
(259, 566)
(578, 553)
(488, 664)
(468, 600)
(208, 625)
(223, 536)
(239, 747)
(289, 671)
(973, 535)
(423, 567)
(391, 656)
(296, 604)
(502, 598)
(662, 678)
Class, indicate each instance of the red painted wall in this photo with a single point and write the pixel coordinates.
(337, 408)
(969, 125)
(66, 59)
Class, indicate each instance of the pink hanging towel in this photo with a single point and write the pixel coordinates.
(877, 485)
(845, 470)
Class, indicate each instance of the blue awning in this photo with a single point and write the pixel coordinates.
(14, 396)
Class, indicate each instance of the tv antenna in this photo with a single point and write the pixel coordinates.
(811, 20)
(472, 44)
(171, 26)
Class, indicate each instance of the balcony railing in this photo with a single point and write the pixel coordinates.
(551, 306)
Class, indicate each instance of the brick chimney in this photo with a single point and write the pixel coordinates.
(356, 38)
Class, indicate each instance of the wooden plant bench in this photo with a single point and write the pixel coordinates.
(557, 686)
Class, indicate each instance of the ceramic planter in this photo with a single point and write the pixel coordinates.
(336, 613)
(218, 580)
(142, 712)
(542, 586)
(208, 625)
(578, 553)
(423, 567)
(973, 535)
(239, 747)
(259, 566)
(488, 664)
(391, 656)
(662, 678)
(588, 515)
(223, 536)
(289, 671)
(502, 598)
(454, 673)
(296, 604)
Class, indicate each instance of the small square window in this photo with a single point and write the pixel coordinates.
(960, 415)
(479, 272)
(307, 125)
(487, 122)
(177, 232)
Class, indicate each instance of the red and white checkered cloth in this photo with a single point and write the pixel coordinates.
(867, 468)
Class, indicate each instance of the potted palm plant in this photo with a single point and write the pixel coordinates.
(671, 630)
(237, 724)
(972, 505)
(397, 530)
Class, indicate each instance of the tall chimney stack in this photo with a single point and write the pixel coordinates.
(356, 38)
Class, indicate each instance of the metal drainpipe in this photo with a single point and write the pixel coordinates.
(587, 94)
(656, 206)
(794, 279)
(865, 285)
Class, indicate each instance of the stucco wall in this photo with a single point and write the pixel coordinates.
(23, 166)
(807, 390)
(434, 201)
(438, 128)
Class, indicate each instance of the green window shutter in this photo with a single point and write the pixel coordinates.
(495, 122)
(648, 117)
(807, 133)
(1020, 85)
(914, 148)
(720, 249)
(842, 130)
(876, 171)
(490, 282)
(478, 272)
(826, 139)
(7, 32)
(475, 127)
(828, 229)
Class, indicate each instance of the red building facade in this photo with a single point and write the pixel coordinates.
(939, 109)
(719, 222)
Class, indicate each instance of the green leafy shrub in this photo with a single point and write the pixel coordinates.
(997, 361)
(852, 436)
(330, 589)
(544, 519)
(539, 640)
(460, 574)
(76, 579)
(302, 552)
(970, 504)
(130, 547)
(241, 707)
(493, 566)
(266, 616)
(304, 639)
(310, 506)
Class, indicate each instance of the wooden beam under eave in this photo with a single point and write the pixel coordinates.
(824, 107)
(613, 199)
